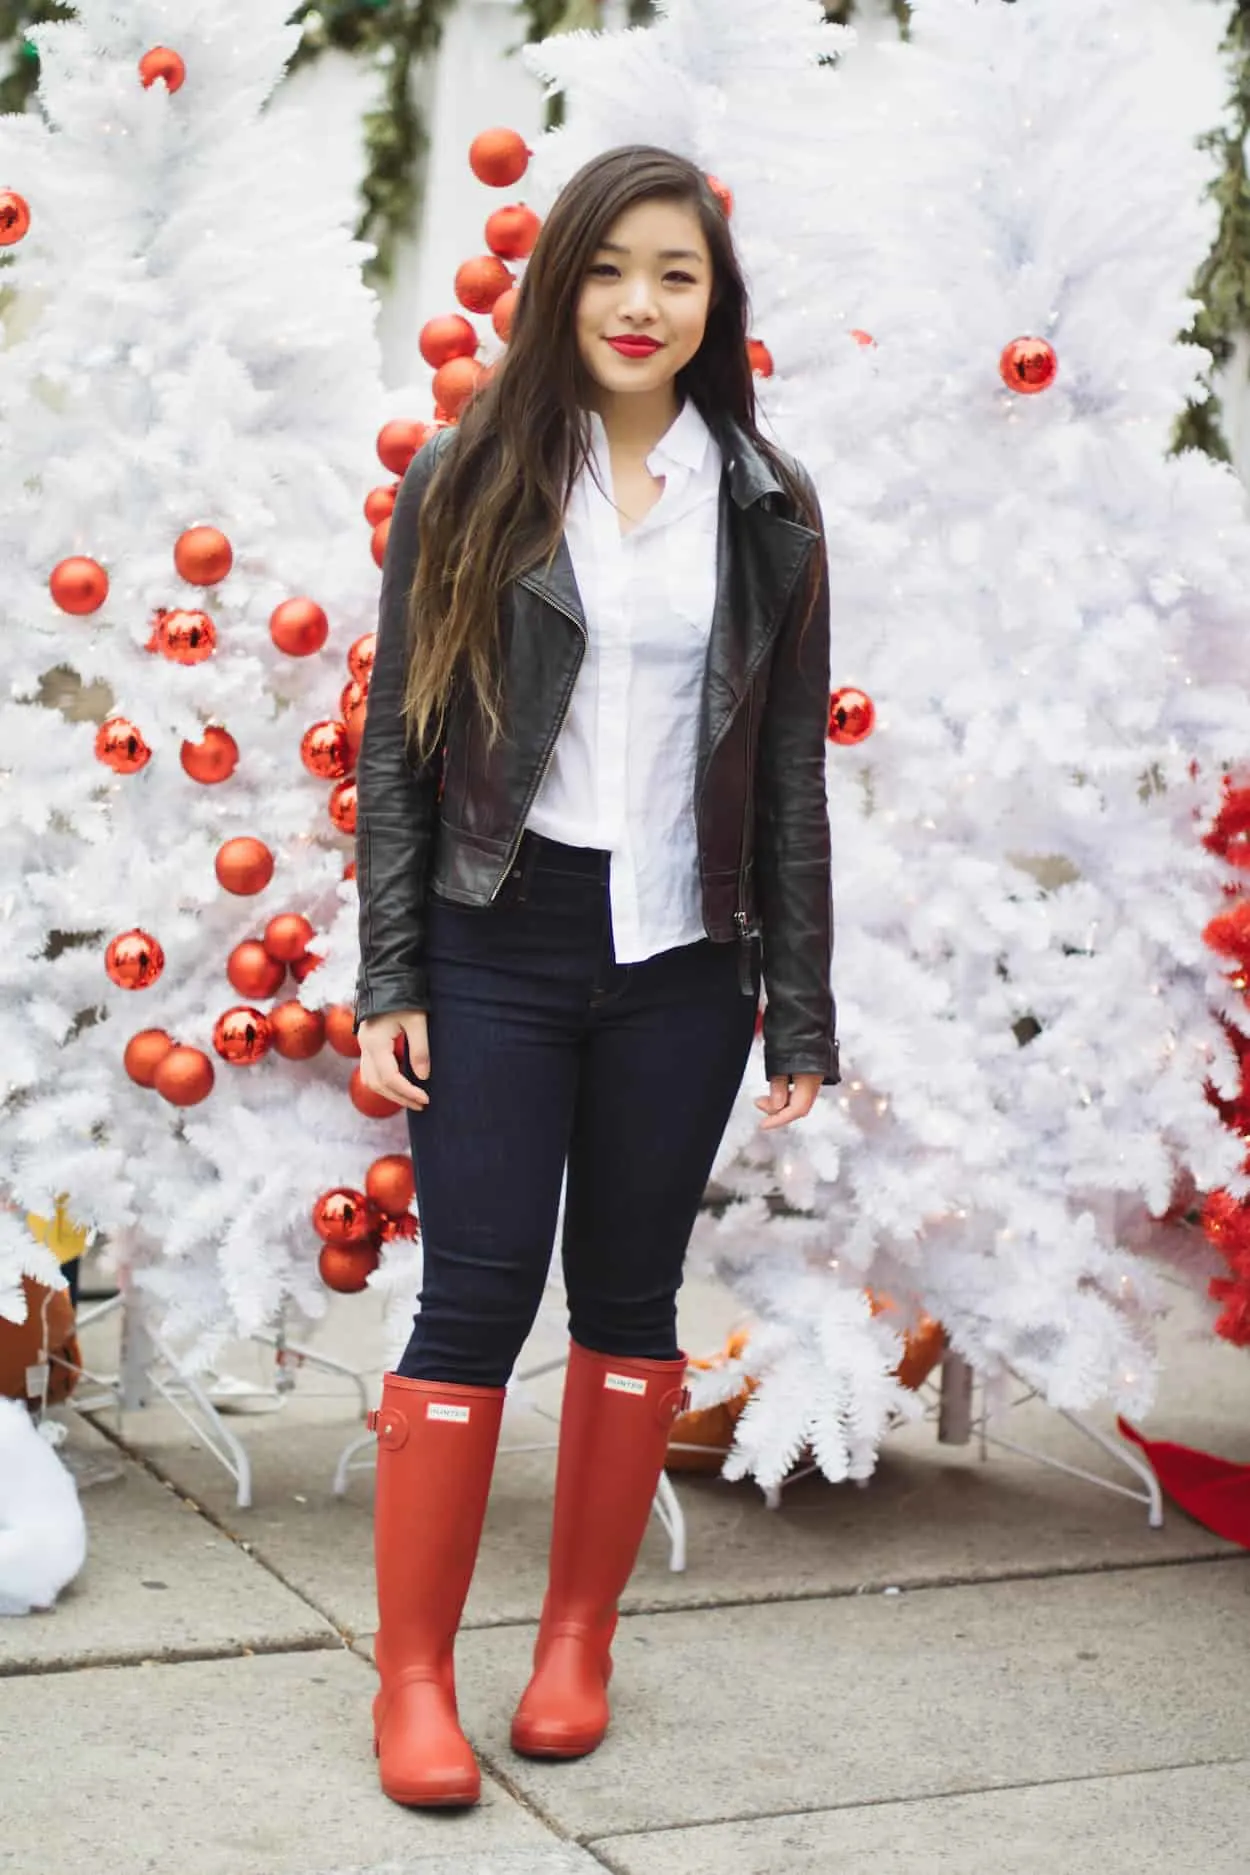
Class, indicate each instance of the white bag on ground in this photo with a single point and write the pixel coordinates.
(43, 1537)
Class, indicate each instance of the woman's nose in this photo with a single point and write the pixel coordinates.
(639, 298)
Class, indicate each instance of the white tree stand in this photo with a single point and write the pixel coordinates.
(355, 1456)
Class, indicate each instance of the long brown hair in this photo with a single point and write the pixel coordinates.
(496, 503)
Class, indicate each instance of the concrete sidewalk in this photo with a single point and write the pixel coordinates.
(964, 1664)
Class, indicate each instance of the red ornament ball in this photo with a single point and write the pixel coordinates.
(360, 657)
(349, 871)
(288, 936)
(212, 759)
(389, 1183)
(398, 443)
(478, 284)
(373, 1106)
(244, 866)
(134, 960)
(343, 806)
(340, 1030)
(1229, 934)
(346, 1268)
(326, 751)
(253, 972)
(503, 312)
(380, 503)
(1028, 365)
(861, 337)
(79, 585)
(353, 707)
(162, 62)
(456, 381)
(203, 555)
(399, 1229)
(377, 546)
(184, 637)
(304, 966)
(184, 1077)
(852, 716)
(760, 358)
(120, 746)
(343, 1216)
(298, 1033)
(242, 1036)
(723, 194)
(298, 627)
(14, 217)
(448, 336)
(512, 231)
(144, 1054)
(499, 157)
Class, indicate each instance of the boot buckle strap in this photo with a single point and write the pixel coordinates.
(391, 1426)
(672, 1405)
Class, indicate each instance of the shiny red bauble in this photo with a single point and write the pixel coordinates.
(214, 758)
(343, 806)
(353, 707)
(399, 1229)
(14, 217)
(241, 1036)
(326, 751)
(723, 194)
(1028, 365)
(852, 716)
(759, 358)
(134, 960)
(299, 627)
(361, 655)
(503, 312)
(182, 636)
(343, 1216)
(377, 546)
(120, 746)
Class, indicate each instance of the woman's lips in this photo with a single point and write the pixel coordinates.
(635, 348)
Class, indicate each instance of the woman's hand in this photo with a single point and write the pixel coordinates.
(791, 1097)
(381, 1052)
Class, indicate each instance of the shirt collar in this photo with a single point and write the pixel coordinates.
(685, 443)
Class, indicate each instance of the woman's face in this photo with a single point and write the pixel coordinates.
(650, 282)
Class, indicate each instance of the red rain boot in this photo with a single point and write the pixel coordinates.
(614, 1430)
(436, 1452)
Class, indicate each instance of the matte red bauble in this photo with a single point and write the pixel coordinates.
(298, 1033)
(361, 656)
(253, 972)
(343, 806)
(184, 1077)
(456, 381)
(241, 1036)
(478, 284)
(373, 1106)
(134, 960)
(499, 157)
(120, 746)
(162, 62)
(398, 442)
(353, 707)
(349, 871)
(377, 546)
(212, 759)
(183, 637)
(512, 231)
(79, 585)
(14, 217)
(852, 716)
(389, 1182)
(448, 336)
(343, 1216)
(244, 866)
(299, 627)
(340, 1030)
(1028, 365)
(304, 966)
(759, 358)
(723, 194)
(861, 337)
(144, 1054)
(325, 750)
(380, 503)
(203, 555)
(346, 1268)
(288, 936)
(503, 312)
(398, 1229)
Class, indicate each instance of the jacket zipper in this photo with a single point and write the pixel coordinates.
(746, 932)
(554, 737)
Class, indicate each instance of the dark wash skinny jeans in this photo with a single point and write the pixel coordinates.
(543, 1049)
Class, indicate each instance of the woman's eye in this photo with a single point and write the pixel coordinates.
(603, 267)
(686, 279)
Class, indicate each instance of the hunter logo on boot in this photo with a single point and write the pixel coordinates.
(458, 1415)
(624, 1383)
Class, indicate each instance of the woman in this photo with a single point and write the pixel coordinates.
(595, 752)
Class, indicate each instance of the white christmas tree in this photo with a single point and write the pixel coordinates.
(1038, 618)
(188, 359)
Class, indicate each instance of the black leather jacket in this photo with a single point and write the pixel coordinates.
(452, 826)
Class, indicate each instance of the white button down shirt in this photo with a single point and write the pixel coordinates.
(621, 776)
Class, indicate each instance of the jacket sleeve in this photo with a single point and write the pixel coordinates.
(396, 802)
(792, 845)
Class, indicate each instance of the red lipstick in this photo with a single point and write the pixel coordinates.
(635, 347)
